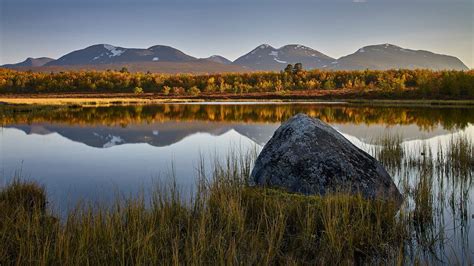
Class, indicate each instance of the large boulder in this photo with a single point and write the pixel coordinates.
(306, 155)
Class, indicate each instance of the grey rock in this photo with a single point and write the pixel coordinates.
(306, 155)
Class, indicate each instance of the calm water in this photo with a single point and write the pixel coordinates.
(95, 153)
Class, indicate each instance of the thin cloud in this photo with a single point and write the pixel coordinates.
(359, 1)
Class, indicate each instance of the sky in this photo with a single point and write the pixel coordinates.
(231, 28)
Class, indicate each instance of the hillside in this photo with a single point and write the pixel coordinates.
(266, 57)
(218, 59)
(167, 59)
(192, 67)
(108, 54)
(31, 62)
(388, 56)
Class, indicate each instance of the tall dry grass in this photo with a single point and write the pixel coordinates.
(228, 222)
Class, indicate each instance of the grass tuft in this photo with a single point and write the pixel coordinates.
(389, 151)
(227, 223)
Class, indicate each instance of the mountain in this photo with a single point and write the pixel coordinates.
(199, 66)
(158, 58)
(218, 59)
(31, 62)
(166, 59)
(266, 57)
(109, 54)
(167, 133)
(389, 56)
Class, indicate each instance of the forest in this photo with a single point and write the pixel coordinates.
(425, 118)
(397, 83)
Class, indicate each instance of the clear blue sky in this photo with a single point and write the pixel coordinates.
(231, 28)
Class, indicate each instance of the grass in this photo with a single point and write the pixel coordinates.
(460, 154)
(436, 186)
(389, 150)
(97, 99)
(412, 102)
(228, 222)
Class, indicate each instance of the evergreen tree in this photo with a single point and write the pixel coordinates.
(297, 68)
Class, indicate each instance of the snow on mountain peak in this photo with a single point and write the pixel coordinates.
(113, 50)
(261, 47)
(109, 47)
(273, 53)
(97, 57)
(302, 47)
(275, 57)
(279, 61)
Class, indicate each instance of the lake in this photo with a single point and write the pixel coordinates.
(97, 153)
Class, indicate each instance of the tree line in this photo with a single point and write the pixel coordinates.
(426, 83)
(425, 118)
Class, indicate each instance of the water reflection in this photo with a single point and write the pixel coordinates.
(94, 153)
(162, 125)
(425, 118)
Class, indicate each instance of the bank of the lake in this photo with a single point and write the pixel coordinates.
(227, 223)
(99, 99)
(122, 86)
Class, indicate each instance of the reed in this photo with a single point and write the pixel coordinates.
(460, 155)
(226, 221)
(389, 150)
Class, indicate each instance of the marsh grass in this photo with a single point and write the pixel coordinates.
(226, 222)
(389, 150)
(435, 182)
(460, 155)
(229, 222)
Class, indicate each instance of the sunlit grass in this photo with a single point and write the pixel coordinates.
(389, 150)
(229, 222)
(460, 154)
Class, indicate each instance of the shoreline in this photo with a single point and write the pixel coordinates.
(117, 99)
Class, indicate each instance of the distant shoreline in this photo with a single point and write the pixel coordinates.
(322, 97)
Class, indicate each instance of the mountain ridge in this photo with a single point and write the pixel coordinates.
(262, 58)
(32, 62)
(218, 59)
(266, 57)
(389, 56)
(109, 54)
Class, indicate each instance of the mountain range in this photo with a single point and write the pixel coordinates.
(31, 62)
(265, 57)
(166, 59)
(170, 132)
(388, 56)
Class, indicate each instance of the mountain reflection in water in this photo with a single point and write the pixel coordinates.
(128, 146)
(162, 125)
(95, 153)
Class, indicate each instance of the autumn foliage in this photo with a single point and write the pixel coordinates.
(426, 83)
